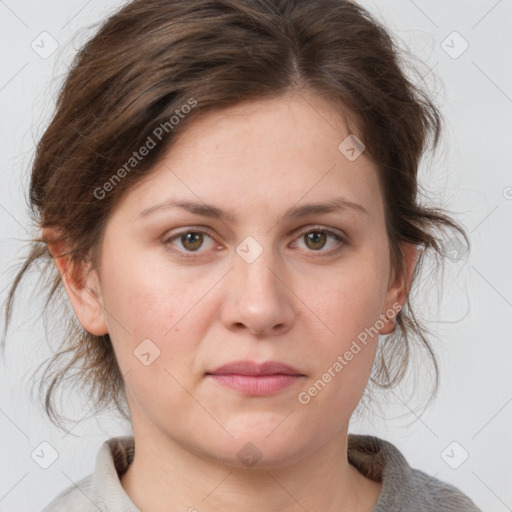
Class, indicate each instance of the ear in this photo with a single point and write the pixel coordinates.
(399, 285)
(82, 286)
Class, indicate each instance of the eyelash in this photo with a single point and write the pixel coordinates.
(192, 254)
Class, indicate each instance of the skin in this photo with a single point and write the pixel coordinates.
(291, 304)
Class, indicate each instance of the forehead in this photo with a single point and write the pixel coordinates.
(274, 152)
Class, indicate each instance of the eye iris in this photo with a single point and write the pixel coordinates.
(195, 238)
(313, 237)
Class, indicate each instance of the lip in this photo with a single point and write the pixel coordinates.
(255, 379)
(256, 385)
(256, 369)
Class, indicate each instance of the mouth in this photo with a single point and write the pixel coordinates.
(256, 379)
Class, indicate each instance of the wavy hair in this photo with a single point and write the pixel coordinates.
(143, 64)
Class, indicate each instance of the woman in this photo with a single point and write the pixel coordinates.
(228, 191)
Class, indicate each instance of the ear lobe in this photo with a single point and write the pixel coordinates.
(81, 284)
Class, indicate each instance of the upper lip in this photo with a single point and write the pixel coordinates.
(252, 368)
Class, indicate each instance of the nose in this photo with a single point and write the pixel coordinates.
(257, 296)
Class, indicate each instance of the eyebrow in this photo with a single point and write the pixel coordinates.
(296, 212)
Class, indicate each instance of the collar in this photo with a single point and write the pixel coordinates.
(373, 457)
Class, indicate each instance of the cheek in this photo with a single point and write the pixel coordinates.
(136, 301)
(350, 309)
(146, 299)
(354, 301)
(155, 330)
(166, 307)
(343, 358)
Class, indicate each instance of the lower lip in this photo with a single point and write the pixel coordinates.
(256, 385)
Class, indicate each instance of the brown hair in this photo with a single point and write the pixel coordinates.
(151, 59)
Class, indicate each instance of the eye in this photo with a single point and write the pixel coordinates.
(316, 239)
(190, 240)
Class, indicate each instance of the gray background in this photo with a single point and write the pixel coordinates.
(471, 176)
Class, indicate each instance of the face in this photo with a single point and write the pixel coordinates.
(185, 290)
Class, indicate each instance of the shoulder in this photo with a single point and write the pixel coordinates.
(403, 488)
(78, 497)
(437, 495)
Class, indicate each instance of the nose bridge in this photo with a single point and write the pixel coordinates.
(255, 266)
(259, 298)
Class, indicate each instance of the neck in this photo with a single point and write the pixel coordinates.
(164, 472)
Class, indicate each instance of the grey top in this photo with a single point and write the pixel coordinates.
(404, 489)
